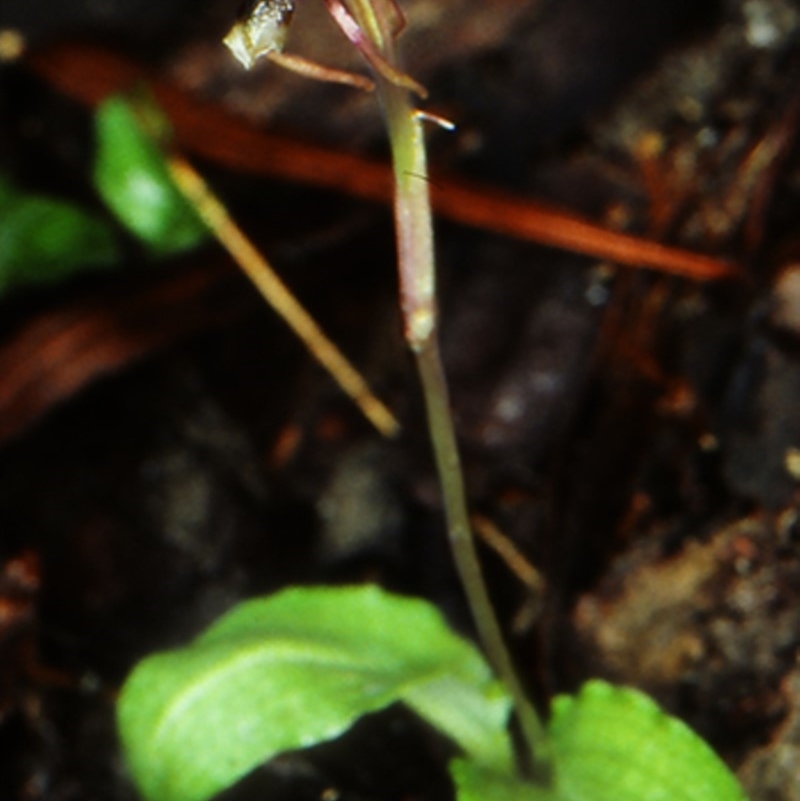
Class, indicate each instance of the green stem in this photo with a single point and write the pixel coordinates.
(418, 298)
(465, 555)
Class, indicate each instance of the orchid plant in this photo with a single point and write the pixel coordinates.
(373, 27)
(301, 667)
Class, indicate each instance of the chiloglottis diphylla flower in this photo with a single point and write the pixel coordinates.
(262, 28)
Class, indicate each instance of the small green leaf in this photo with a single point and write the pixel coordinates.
(44, 240)
(295, 669)
(615, 744)
(131, 175)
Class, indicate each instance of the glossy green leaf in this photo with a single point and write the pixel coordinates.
(296, 669)
(131, 175)
(44, 240)
(615, 744)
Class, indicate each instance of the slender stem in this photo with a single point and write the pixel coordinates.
(466, 557)
(418, 298)
(413, 217)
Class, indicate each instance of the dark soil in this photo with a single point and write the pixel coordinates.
(636, 434)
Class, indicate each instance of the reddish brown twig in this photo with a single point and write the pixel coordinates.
(90, 74)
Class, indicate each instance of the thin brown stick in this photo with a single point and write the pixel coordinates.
(276, 293)
(509, 553)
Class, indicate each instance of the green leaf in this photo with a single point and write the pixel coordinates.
(295, 669)
(615, 744)
(476, 782)
(611, 744)
(44, 240)
(131, 175)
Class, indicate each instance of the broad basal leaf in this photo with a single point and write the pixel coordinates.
(131, 175)
(615, 744)
(296, 669)
(611, 744)
(476, 782)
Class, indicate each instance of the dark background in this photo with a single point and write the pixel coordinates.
(631, 431)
